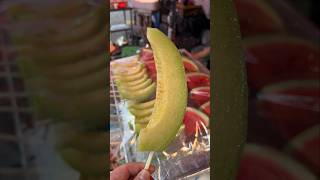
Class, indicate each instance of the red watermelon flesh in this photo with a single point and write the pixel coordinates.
(306, 147)
(146, 55)
(189, 65)
(278, 58)
(291, 106)
(197, 80)
(152, 71)
(257, 17)
(191, 118)
(206, 108)
(259, 163)
(200, 95)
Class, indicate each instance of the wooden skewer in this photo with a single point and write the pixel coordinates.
(149, 160)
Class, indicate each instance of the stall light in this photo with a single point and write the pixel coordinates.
(122, 5)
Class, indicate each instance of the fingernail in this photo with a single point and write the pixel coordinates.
(144, 175)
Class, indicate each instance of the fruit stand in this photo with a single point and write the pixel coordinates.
(189, 154)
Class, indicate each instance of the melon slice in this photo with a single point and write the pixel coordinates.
(260, 162)
(206, 108)
(257, 17)
(141, 113)
(306, 147)
(189, 65)
(191, 118)
(170, 106)
(279, 58)
(137, 87)
(197, 79)
(141, 106)
(200, 95)
(291, 106)
(139, 95)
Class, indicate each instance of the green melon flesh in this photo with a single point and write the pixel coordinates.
(140, 95)
(137, 87)
(141, 106)
(170, 106)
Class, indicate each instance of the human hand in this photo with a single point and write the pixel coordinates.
(132, 171)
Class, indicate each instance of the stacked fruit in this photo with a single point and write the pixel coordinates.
(136, 82)
(63, 63)
(283, 76)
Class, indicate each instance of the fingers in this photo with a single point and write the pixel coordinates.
(126, 171)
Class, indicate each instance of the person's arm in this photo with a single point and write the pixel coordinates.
(201, 54)
(133, 171)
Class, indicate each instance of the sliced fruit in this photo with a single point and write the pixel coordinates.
(280, 58)
(144, 120)
(291, 106)
(137, 87)
(141, 113)
(20, 10)
(124, 64)
(134, 77)
(132, 83)
(140, 95)
(86, 163)
(151, 66)
(65, 54)
(141, 106)
(146, 54)
(206, 108)
(193, 117)
(197, 79)
(82, 84)
(189, 65)
(169, 107)
(86, 109)
(200, 95)
(260, 162)
(74, 29)
(128, 71)
(138, 127)
(306, 147)
(77, 69)
(91, 142)
(257, 17)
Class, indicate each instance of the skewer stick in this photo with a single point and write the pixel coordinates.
(149, 160)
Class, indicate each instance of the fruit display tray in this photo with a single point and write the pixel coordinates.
(180, 160)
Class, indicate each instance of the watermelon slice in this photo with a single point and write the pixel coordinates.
(197, 79)
(260, 163)
(200, 95)
(189, 65)
(152, 71)
(306, 148)
(291, 106)
(280, 58)
(257, 17)
(206, 108)
(193, 117)
(146, 55)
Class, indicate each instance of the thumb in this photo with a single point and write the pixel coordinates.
(143, 175)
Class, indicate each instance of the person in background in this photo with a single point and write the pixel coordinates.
(204, 53)
(132, 171)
